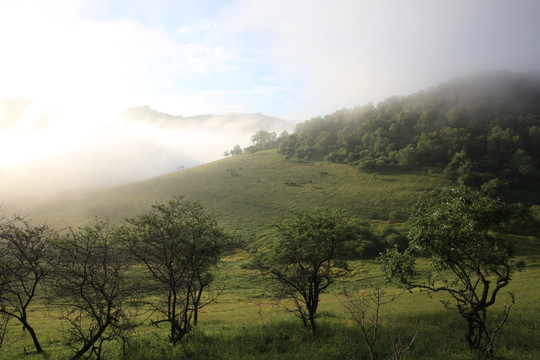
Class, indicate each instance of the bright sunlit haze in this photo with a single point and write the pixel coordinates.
(69, 70)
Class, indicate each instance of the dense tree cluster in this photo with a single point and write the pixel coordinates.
(482, 129)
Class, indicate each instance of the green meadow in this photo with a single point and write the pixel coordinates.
(247, 194)
(245, 323)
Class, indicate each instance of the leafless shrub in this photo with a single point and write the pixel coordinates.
(26, 259)
(364, 305)
(93, 290)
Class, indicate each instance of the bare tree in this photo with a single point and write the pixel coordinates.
(26, 259)
(92, 289)
(365, 306)
(4, 320)
(179, 244)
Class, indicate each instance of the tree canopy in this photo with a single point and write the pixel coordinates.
(304, 258)
(92, 286)
(477, 128)
(26, 259)
(459, 229)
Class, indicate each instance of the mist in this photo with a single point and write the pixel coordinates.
(71, 70)
(46, 153)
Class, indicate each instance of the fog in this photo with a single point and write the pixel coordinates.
(45, 152)
(70, 68)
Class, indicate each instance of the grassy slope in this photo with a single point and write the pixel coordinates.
(249, 192)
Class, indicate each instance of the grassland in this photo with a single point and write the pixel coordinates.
(244, 323)
(247, 194)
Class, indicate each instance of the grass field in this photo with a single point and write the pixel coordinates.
(247, 194)
(245, 323)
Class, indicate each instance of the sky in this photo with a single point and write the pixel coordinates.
(69, 67)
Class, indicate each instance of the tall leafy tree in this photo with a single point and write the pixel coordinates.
(459, 229)
(304, 258)
(263, 139)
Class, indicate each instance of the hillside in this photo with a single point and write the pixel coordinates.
(482, 129)
(248, 192)
(47, 153)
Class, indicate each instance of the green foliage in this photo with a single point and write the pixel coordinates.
(458, 228)
(487, 123)
(456, 225)
(303, 260)
(263, 140)
(236, 150)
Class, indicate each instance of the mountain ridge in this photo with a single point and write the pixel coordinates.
(247, 121)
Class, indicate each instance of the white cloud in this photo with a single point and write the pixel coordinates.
(55, 55)
(196, 28)
(349, 52)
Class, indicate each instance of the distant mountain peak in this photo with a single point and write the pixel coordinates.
(242, 121)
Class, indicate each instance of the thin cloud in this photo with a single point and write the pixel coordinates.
(352, 52)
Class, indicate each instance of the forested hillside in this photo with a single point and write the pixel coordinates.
(483, 129)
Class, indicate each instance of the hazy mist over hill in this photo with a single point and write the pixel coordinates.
(70, 69)
(56, 154)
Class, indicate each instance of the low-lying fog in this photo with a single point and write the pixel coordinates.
(45, 153)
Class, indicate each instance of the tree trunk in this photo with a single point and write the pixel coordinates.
(312, 306)
(87, 345)
(39, 349)
(312, 321)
